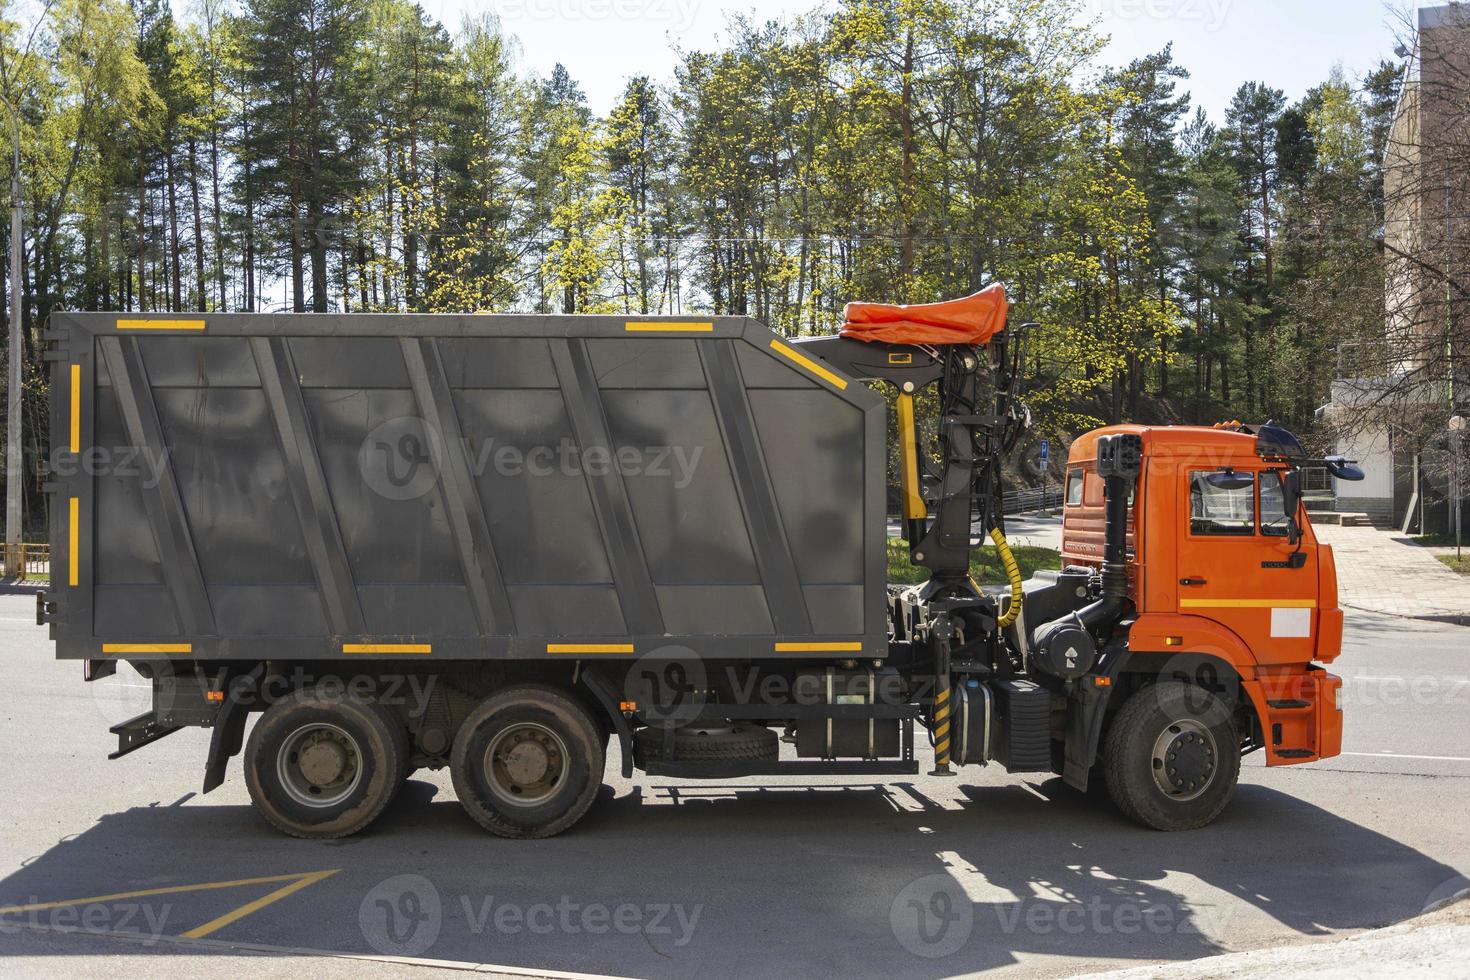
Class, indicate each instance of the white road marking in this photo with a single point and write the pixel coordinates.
(1395, 755)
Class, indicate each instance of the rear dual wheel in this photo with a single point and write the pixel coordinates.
(527, 762)
(324, 765)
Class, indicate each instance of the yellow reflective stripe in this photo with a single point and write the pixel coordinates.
(76, 408)
(797, 357)
(73, 526)
(589, 648)
(1247, 603)
(941, 731)
(942, 696)
(147, 648)
(387, 648)
(160, 324)
(819, 647)
(656, 326)
(908, 457)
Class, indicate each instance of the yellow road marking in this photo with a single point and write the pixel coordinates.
(655, 326)
(589, 648)
(1247, 603)
(214, 925)
(160, 324)
(147, 647)
(76, 408)
(387, 648)
(821, 647)
(797, 357)
(73, 524)
(315, 876)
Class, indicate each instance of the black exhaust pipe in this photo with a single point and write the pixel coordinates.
(1066, 646)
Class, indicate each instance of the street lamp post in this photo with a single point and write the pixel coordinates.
(13, 466)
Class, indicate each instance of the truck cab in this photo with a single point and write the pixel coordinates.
(1226, 576)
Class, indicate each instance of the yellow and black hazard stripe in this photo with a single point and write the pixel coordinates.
(941, 725)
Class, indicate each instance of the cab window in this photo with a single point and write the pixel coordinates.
(1074, 487)
(1273, 506)
(1216, 510)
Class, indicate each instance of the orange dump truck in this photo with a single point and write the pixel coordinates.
(510, 545)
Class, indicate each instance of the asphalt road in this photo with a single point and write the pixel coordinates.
(760, 877)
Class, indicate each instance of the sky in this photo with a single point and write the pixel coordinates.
(1290, 44)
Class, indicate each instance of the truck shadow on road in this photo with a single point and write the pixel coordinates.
(678, 878)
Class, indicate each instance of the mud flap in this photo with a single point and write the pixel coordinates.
(1088, 710)
(1084, 731)
(228, 734)
(608, 699)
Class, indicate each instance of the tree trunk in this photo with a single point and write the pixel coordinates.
(177, 294)
(201, 297)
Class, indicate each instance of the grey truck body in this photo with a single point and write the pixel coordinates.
(216, 489)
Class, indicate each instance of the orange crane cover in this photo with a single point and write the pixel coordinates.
(972, 320)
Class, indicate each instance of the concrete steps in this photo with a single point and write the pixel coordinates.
(1339, 518)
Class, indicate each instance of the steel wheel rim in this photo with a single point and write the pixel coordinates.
(1185, 760)
(319, 765)
(525, 764)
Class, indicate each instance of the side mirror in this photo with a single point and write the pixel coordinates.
(1228, 479)
(1344, 469)
(1291, 500)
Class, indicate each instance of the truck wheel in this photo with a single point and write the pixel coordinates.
(322, 766)
(400, 734)
(1172, 757)
(527, 762)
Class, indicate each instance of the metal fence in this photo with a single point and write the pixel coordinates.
(1030, 499)
(26, 562)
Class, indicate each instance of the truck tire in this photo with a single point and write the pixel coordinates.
(1172, 757)
(744, 742)
(322, 767)
(527, 762)
(405, 742)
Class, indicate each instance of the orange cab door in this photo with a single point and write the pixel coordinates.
(1236, 567)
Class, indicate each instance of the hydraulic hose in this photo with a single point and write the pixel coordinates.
(1013, 572)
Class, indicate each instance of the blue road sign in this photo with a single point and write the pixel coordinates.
(1045, 451)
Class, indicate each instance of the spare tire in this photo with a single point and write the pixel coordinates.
(741, 740)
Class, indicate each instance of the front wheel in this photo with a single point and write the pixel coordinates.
(527, 762)
(1172, 757)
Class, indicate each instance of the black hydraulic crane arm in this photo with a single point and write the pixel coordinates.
(980, 420)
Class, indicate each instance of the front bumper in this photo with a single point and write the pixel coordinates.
(1300, 713)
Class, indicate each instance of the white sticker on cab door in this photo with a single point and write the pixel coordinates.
(1287, 623)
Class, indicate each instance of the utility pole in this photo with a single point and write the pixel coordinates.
(15, 355)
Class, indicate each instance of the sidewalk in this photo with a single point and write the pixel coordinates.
(1432, 945)
(1383, 572)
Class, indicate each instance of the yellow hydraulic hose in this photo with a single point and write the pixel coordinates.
(1013, 572)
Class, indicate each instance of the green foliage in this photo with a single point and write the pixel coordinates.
(985, 565)
(354, 155)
